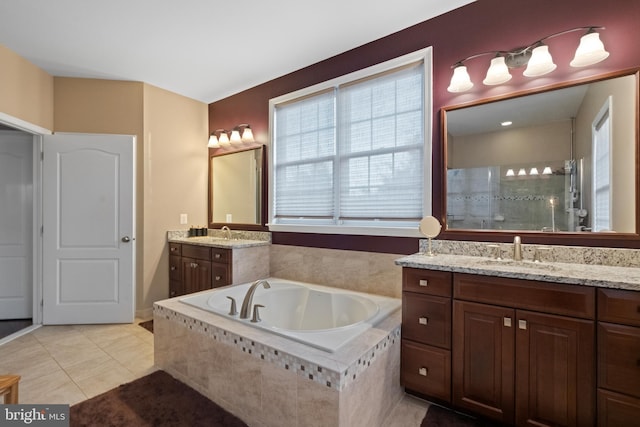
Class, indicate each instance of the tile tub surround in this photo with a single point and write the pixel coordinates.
(268, 380)
(598, 267)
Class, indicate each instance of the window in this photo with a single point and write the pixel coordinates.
(601, 136)
(349, 156)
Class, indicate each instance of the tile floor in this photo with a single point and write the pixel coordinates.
(68, 364)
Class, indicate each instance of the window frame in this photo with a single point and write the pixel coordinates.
(423, 57)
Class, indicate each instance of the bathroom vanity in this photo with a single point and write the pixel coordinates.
(206, 262)
(523, 343)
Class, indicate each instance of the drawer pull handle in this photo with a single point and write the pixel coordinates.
(174, 249)
(507, 322)
(423, 320)
(423, 371)
(194, 265)
(217, 279)
(425, 283)
(173, 268)
(217, 255)
(522, 324)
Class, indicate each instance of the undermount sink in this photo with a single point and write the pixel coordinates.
(518, 264)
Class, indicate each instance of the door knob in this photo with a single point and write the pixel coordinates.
(126, 239)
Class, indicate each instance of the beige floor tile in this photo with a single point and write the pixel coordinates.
(112, 376)
(409, 412)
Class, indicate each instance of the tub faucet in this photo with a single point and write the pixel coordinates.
(227, 230)
(248, 298)
(517, 249)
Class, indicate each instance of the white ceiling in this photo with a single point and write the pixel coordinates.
(202, 49)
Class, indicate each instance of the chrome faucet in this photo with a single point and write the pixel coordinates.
(248, 298)
(517, 249)
(227, 230)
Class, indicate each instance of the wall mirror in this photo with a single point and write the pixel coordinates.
(236, 188)
(562, 160)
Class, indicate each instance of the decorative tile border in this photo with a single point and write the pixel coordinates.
(320, 374)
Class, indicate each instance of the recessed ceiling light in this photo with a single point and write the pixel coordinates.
(506, 123)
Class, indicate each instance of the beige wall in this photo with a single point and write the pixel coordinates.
(514, 147)
(175, 179)
(623, 112)
(26, 91)
(171, 133)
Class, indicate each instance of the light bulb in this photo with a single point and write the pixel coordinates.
(541, 62)
(497, 73)
(460, 81)
(590, 51)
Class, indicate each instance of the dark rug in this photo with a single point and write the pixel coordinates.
(157, 400)
(148, 325)
(442, 417)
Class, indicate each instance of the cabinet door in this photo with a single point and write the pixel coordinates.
(619, 358)
(617, 410)
(483, 359)
(196, 275)
(555, 370)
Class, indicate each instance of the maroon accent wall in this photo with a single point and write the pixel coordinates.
(485, 25)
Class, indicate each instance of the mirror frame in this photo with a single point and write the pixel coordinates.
(600, 239)
(222, 151)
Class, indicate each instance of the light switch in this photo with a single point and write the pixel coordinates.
(229, 218)
(184, 219)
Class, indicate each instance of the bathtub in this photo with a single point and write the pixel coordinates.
(320, 316)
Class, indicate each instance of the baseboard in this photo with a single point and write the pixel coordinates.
(144, 314)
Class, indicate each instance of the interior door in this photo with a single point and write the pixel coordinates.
(16, 218)
(89, 229)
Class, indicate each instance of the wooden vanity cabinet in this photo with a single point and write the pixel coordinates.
(524, 351)
(194, 268)
(426, 333)
(618, 357)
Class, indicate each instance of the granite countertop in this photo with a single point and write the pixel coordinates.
(218, 242)
(578, 274)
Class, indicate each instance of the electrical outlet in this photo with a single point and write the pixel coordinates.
(184, 219)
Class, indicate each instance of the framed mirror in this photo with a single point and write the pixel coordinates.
(557, 162)
(236, 190)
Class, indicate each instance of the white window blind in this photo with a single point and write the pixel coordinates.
(602, 175)
(351, 154)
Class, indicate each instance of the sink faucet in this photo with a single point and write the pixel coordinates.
(227, 230)
(517, 249)
(248, 298)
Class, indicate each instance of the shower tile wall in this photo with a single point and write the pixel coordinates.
(484, 198)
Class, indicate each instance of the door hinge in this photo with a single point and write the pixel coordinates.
(41, 303)
(42, 156)
(42, 230)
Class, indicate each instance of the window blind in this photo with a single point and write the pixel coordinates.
(351, 152)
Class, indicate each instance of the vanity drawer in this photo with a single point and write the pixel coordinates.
(197, 252)
(426, 370)
(219, 275)
(426, 319)
(427, 281)
(616, 410)
(175, 267)
(220, 255)
(552, 298)
(619, 306)
(175, 249)
(619, 358)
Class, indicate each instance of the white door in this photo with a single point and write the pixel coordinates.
(16, 218)
(89, 229)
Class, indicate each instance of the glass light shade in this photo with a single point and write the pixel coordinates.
(533, 171)
(540, 63)
(547, 170)
(460, 81)
(590, 51)
(522, 172)
(510, 172)
(235, 137)
(223, 138)
(213, 141)
(247, 135)
(497, 73)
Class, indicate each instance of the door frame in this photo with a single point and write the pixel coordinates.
(37, 132)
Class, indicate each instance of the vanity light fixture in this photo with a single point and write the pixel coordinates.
(510, 172)
(535, 56)
(533, 171)
(547, 170)
(522, 172)
(238, 135)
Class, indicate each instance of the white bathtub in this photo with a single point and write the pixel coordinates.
(320, 316)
